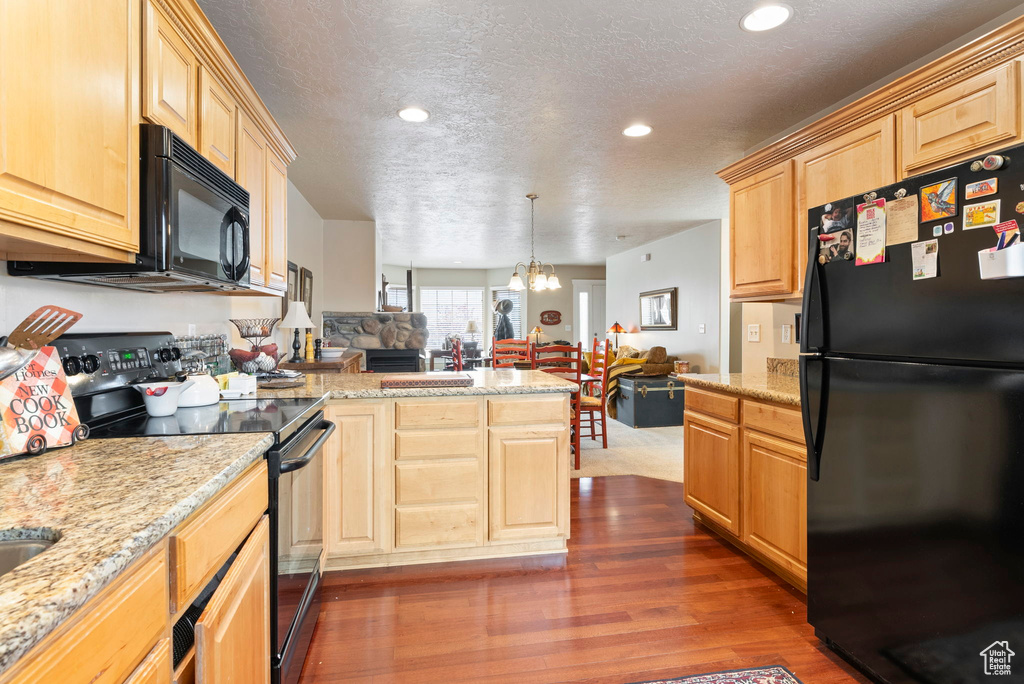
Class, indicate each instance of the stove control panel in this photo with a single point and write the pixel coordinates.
(104, 361)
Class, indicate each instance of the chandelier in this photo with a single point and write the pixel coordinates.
(535, 276)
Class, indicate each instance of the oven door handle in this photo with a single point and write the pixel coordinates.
(302, 461)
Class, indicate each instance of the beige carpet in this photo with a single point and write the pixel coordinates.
(651, 452)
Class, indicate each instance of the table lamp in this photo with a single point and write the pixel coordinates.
(536, 331)
(617, 329)
(471, 328)
(296, 318)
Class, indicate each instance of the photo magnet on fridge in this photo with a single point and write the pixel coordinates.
(938, 201)
(936, 231)
(838, 216)
(981, 215)
(981, 188)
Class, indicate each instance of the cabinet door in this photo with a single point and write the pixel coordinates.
(948, 126)
(233, 633)
(69, 135)
(855, 162)
(156, 668)
(216, 123)
(775, 500)
(170, 70)
(357, 491)
(277, 222)
(251, 174)
(763, 233)
(529, 482)
(711, 460)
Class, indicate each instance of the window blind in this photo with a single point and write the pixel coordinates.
(517, 309)
(448, 309)
(398, 297)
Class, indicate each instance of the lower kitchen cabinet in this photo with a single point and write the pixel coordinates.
(156, 668)
(233, 633)
(746, 477)
(528, 473)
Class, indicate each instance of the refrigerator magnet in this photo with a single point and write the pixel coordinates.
(1019, 208)
(925, 258)
(947, 227)
(936, 231)
(870, 233)
(981, 188)
(938, 200)
(981, 215)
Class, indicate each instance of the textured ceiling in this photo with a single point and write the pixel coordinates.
(532, 95)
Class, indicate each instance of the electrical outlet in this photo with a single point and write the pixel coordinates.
(754, 332)
(191, 329)
(787, 333)
(701, 329)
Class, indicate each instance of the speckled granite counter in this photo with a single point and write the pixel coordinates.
(367, 385)
(784, 389)
(110, 501)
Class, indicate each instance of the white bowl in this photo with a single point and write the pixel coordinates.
(332, 353)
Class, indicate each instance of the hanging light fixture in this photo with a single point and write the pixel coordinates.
(536, 278)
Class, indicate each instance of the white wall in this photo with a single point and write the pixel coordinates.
(771, 317)
(351, 276)
(105, 309)
(690, 261)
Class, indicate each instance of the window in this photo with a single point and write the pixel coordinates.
(398, 296)
(449, 309)
(517, 309)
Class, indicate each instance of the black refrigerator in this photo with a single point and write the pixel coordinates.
(913, 402)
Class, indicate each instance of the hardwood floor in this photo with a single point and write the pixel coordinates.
(643, 594)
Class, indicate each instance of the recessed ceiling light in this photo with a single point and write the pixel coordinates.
(456, 262)
(620, 238)
(414, 114)
(637, 130)
(766, 17)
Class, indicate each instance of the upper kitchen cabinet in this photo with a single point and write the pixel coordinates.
(761, 233)
(251, 174)
(954, 123)
(216, 122)
(69, 136)
(170, 69)
(277, 222)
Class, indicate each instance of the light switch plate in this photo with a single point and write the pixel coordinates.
(701, 329)
(568, 328)
(787, 333)
(754, 332)
(191, 329)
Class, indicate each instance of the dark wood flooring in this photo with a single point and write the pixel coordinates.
(643, 594)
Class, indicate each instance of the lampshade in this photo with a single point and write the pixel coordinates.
(540, 282)
(297, 316)
(472, 327)
(616, 328)
(516, 283)
(536, 330)
(553, 283)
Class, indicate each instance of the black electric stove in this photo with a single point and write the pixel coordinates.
(101, 368)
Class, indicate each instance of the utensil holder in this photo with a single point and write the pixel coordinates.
(1003, 263)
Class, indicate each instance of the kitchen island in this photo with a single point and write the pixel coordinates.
(418, 475)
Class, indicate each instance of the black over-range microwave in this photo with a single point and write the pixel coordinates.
(194, 232)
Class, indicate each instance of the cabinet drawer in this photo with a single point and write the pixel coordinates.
(203, 542)
(437, 482)
(437, 525)
(436, 444)
(156, 668)
(528, 411)
(431, 413)
(113, 635)
(713, 403)
(775, 420)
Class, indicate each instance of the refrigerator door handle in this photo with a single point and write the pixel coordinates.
(813, 415)
(812, 320)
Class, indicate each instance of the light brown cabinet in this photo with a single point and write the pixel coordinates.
(170, 69)
(762, 239)
(528, 475)
(233, 633)
(217, 115)
(251, 174)
(967, 118)
(746, 476)
(277, 222)
(70, 106)
(156, 668)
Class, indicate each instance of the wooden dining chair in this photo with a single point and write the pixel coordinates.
(505, 353)
(594, 406)
(456, 364)
(566, 362)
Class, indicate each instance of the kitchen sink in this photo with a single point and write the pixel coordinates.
(14, 552)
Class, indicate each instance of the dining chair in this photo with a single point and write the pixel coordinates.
(505, 353)
(456, 364)
(594, 407)
(566, 362)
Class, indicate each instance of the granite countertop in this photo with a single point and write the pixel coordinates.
(367, 385)
(110, 501)
(784, 389)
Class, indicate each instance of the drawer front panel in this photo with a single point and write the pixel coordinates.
(203, 542)
(532, 411)
(437, 482)
(435, 444)
(775, 420)
(713, 403)
(437, 525)
(435, 413)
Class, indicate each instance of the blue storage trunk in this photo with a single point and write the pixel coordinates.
(649, 401)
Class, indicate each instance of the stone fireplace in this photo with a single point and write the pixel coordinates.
(375, 330)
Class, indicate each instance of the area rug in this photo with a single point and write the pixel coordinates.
(775, 674)
(650, 452)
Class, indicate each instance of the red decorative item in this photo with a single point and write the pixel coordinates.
(550, 317)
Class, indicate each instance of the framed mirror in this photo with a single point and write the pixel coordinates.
(658, 309)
